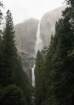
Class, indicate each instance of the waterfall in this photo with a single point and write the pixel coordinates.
(38, 46)
(39, 42)
(33, 76)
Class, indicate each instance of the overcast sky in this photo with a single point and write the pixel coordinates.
(24, 9)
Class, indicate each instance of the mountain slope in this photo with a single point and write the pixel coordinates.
(48, 22)
(26, 36)
(25, 42)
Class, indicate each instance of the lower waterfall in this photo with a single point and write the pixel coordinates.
(33, 76)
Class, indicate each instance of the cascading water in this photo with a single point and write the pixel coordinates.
(39, 43)
(33, 76)
(38, 46)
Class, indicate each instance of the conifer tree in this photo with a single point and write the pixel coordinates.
(63, 78)
(38, 78)
(40, 90)
(12, 71)
(9, 51)
(71, 5)
(12, 95)
(1, 62)
(58, 69)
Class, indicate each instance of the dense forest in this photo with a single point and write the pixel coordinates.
(55, 65)
(54, 71)
(15, 88)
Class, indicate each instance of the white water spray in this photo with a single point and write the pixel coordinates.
(33, 76)
(39, 43)
(38, 46)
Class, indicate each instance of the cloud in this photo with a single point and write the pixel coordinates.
(24, 9)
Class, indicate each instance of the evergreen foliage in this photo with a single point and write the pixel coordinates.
(12, 95)
(58, 69)
(40, 91)
(1, 17)
(14, 85)
(9, 51)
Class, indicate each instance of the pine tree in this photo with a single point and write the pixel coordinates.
(12, 71)
(1, 62)
(58, 69)
(49, 72)
(38, 72)
(9, 51)
(12, 95)
(71, 5)
(40, 90)
(63, 78)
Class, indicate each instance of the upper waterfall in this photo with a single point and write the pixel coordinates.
(39, 42)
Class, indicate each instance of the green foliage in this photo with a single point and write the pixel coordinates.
(40, 90)
(9, 54)
(12, 95)
(1, 15)
(57, 69)
(16, 87)
(21, 80)
(63, 63)
(71, 4)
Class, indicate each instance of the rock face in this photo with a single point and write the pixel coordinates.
(25, 42)
(48, 22)
(26, 36)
